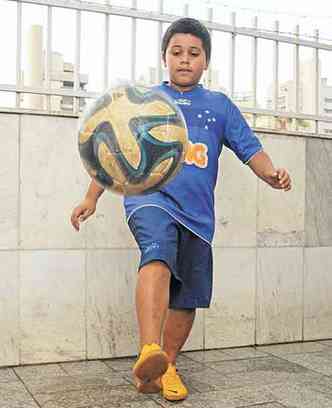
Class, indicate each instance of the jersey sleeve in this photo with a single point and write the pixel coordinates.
(238, 136)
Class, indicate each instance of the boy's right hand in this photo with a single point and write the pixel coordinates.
(82, 212)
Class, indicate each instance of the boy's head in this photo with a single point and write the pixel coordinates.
(186, 50)
(191, 26)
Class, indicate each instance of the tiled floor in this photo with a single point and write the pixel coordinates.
(297, 375)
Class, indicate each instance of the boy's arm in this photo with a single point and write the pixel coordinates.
(87, 206)
(94, 191)
(262, 166)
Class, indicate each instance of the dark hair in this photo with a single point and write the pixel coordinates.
(191, 26)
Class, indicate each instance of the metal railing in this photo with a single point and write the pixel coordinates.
(160, 17)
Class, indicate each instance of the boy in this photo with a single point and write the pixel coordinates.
(174, 227)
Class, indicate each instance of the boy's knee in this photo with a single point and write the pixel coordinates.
(155, 270)
(155, 266)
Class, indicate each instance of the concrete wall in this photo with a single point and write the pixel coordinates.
(68, 296)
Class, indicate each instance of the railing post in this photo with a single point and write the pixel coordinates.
(77, 65)
(209, 71)
(317, 82)
(297, 74)
(232, 55)
(133, 44)
(159, 70)
(48, 65)
(106, 52)
(18, 52)
(254, 68)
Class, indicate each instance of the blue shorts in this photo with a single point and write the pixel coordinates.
(160, 237)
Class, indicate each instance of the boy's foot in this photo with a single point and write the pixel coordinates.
(173, 388)
(152, 363)
(150, 387)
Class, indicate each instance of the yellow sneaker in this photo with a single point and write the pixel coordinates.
(152, 363)
(173, 388)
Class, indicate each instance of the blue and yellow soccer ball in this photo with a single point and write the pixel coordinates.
(133, 140)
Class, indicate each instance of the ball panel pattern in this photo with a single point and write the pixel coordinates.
(133, 140)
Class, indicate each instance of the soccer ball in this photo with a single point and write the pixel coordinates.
(133, 140)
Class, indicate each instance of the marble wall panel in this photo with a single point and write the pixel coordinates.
(281, 214)
(9, 308)
(235, 203)
(52, 305)
(53, 182)
(111, 318)
(108, 227)
(279, 310)
(230, 321)
(317, 293)
(318, 215)
(9, 181)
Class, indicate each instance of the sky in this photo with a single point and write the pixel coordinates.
(308, 14)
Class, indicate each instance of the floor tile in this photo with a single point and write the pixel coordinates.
(49, 385)
(102, 397)
(34, 372)
(86, 368)
(14, 395)
(281, 349)
(300, 396)
(243, 397)
(121, 364)
(320, 362)
(326, 342)
(7, 375)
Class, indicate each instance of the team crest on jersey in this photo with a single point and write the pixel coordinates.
(183, 101)
(197, 154)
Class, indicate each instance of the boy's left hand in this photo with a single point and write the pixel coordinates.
(280, 180)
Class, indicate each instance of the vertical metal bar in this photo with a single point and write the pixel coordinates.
(159, 71)
(77, 60)
(232, 55)
(186, 10)
(317, 82)
(18, 52)
(106, 51)
(254, 64)
(48, 67)
(297, 71)
(209, 72)
(133, 43)
(276, 70)
(254, 68)
(297, 77)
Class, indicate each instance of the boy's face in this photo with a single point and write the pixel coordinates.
(186, 60)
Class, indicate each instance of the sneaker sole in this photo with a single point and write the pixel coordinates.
(152, 367)
(175, 397)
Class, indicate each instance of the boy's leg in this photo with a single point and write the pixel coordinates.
(152, 298)
(191, 289)
(176, 331)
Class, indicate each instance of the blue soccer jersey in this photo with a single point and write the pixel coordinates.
(212, 120)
